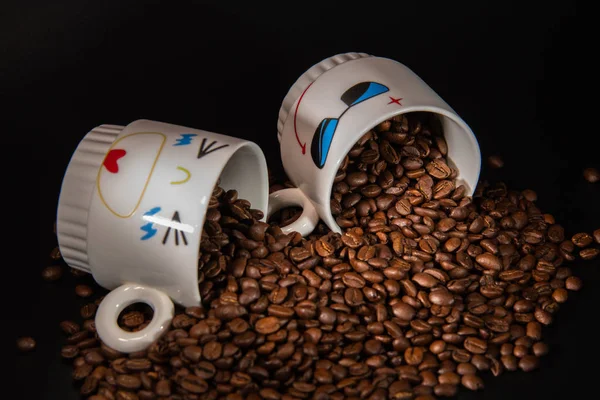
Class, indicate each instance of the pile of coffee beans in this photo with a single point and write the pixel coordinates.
(425, 290)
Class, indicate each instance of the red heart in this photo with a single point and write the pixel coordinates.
(110, 162)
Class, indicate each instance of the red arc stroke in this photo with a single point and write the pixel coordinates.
(303, 146)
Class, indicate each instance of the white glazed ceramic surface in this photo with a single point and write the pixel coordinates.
(340, 99)
(131, 211)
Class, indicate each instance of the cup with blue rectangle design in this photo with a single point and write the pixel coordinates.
(131, 212)
(337, 101)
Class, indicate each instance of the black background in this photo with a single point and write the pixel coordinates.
(513, 72)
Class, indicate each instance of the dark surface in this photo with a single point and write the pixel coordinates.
(514, 74)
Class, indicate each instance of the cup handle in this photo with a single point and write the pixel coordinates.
(116, 301)
(309, 219)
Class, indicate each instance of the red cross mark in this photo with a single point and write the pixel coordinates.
(395, 101)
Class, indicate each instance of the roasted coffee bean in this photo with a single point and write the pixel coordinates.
(466, 369)
(540, 349)
(592, 175)
(582, 239)
(438, 169)
(445, 390)
(425, 280)
(475, 345)
(441, 297)
(573, 283)
(353, 280)
(52, 273)
(589, 254)
(25, 344)
(88, 310)
(132, 319)
(403, 311)
(413, 355)
(82, 371)
(69, 327)
(267, 325)
(528, 363)
(495, 161)
(192, 353)
(472, 382)
(596, 236)
(489, 261)
(83, 291)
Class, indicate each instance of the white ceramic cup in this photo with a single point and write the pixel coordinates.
(334, 104)
(131, 211)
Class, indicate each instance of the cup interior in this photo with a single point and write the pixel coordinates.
(246, 172)
(463, 152)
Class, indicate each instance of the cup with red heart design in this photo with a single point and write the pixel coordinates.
(131, 211)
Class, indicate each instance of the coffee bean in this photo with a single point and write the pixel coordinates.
(509, 362)
(592, 175)
(357, 179)
(472, 382)
(589, 254)
(475, 345)
(25, 344)
(324, 249)
(69, 327)
(495, 161)
(556, 233)
(52, 273)
(528, 363)
(480, 362)
(596, 235)
(267, 325)
(540, 349)
(388, 153)
(560, 295)
(132, 319)
(138, 364)
(194, 384)
(441, 297)
(403, 207)
(445, 390)
(439, 169)
(278, 311)
(489, 261)
(192, 353)
(82, 371)
(228, 312)
(466, 369)
(413, 355)
(582, 239)
(123, 395)
(403, 311)
(83, 291)
(425, 280)
(542, 316)
(94, 358)
(212, 351)
(88, 310)
(353, 297)
(353, 280)
(573, 283)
